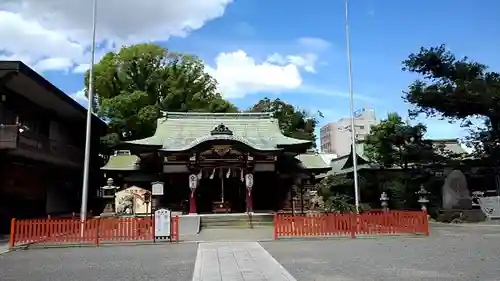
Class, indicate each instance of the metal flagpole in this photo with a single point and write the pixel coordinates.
(351, 107)
(88, 132)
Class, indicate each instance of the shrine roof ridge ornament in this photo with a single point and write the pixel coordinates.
(209, 115)
(221, 129)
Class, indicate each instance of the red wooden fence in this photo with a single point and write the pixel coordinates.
(92, 231)
(351, 225)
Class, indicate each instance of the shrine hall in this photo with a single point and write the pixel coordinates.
(217, 163)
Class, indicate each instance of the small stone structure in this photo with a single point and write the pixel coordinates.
(133, 200)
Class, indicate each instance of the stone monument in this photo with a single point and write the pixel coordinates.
(456, 195)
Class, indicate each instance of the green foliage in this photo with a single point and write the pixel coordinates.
(340, 203)
(132, 86)
(460, 90)
(337, 192)
(294, 122)
(396, 143)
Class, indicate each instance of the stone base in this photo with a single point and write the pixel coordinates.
(457, 215)
(107, 215)
(108, 209)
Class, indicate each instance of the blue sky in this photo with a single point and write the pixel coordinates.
(383, 33)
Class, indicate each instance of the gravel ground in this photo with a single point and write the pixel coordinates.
(450, 253)
(124, 263)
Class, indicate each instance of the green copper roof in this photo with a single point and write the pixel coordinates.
(181, 131)
(313, 161)
(122, 162)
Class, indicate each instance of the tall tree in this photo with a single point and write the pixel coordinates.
(394, 142)
(460, 90)
(294, 122)
(133, 85)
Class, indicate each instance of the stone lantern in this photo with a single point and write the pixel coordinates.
(107, 193)
(422, 198)
(384, 201)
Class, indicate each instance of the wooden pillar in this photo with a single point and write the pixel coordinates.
(192, 204)
(249, 201)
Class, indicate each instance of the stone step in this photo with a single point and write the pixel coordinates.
(236, 221)
(269, 218)
(233, 225)
(239, 227)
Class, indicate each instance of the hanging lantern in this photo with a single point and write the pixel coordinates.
(193, 182)
(249, 182)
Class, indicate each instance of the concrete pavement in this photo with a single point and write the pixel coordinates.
(4, 248)
(449, 254)
(4, 244)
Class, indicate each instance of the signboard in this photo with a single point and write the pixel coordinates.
(157, 188)
(162, 223)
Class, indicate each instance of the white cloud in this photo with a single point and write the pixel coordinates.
(52, 31)
(305, 61)
(314, 43)
(81, 68)
(53, 64)
(238, 75)
(331, 92)
(80, 97)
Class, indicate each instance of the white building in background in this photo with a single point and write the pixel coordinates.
(335, 137)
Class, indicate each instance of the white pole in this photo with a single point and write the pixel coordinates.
(88, 132)
(351, 107)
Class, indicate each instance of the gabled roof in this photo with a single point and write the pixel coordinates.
(343, 164)
(314, 161)
(449, 145)
(181, 131)
(122, 163)
(20, 78)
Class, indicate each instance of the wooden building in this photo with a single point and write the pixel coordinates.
(42, 139)
(216, 162)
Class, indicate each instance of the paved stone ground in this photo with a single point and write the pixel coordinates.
(4, 244)
(243, 234)
(4, 247)
(237, 261)
(451, 253)
(114, 263)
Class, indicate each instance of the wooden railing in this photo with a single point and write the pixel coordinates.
(11, 138)
(94, 231)
(8, 136)
(50, 146)
(350, 225)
